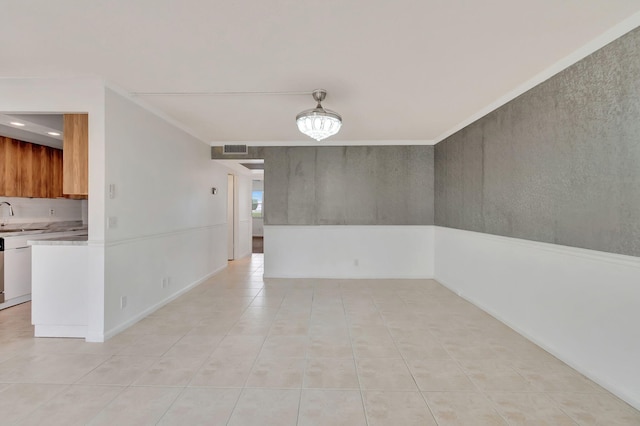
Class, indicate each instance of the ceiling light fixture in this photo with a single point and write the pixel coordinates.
(15, 123)
(319, 123)
(53, 133)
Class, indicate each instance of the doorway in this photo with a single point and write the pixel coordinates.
(257, 216)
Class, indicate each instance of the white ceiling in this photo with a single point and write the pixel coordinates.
(33, 128)
(404, 70)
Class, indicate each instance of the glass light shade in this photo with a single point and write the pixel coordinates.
(319, 123)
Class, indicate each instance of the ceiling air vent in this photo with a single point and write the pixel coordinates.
(235, 149)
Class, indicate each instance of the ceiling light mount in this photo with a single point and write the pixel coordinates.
(319, 123)
(319, 95)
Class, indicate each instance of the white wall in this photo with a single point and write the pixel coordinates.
(257, 226)
(348, 251)
(580, 305)
(169, 225)
(36, 210)
(60, 307)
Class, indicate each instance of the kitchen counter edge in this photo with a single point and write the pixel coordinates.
(72, 240)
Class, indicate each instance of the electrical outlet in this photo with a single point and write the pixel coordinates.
(52, 212)
(112, 222)
(123, 302)
(165, 282)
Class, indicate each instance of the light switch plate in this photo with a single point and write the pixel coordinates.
(112, 222)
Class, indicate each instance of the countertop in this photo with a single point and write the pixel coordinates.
(72, 240)
(25, 229)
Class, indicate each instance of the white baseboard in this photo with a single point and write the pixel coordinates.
(579, 305)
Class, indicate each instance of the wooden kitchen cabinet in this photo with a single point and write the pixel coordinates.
(10, 164)
(29, 170)
(75, 161)
(55, 190)
(42, 171)
(25, 174)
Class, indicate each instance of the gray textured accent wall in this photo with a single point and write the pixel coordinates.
(558, 164)
(354, 185)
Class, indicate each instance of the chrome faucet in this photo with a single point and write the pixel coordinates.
(10, 208)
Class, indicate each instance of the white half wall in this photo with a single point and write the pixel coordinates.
(580, 305)
(60, 305)
(348, 251)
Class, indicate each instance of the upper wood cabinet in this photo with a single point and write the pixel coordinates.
(75, 168)
(10, 167)
(56, 174)
(29, 170)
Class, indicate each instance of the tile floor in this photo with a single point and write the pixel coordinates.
(238, 350)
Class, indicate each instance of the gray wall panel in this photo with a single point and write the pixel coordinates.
(330, 169)
(355, 185)
(420, 169)
(559, 164)
(301, 184)
(277, 195)
(391, 185)
(360, 181)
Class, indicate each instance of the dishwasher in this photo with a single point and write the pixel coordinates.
(1, 270)
(15, 263)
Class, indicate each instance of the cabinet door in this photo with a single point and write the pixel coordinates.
(56, 174)
(17, 272)
(41, 171)
(26, 172)
(29, 170)
(75, 156)
(3, 166)
(12, 161)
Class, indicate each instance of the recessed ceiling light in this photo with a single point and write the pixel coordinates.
(53, 133)
(15, 123)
